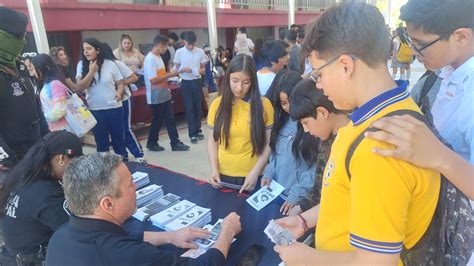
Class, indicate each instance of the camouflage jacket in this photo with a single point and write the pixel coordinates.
(314, 196)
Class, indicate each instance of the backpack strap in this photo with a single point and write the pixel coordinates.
(406, 256)
(429, 82)
(427, 72)
(361, 137)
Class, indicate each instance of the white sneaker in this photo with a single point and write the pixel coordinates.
(141, 160)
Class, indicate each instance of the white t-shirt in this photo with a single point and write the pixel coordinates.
(154, 93)
(192, 59)
(243, 44)
(264, 81)
(126, 73)
(101, 93)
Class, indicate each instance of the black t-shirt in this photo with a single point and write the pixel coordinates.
(19, 117)
(64, 71)
(67, 72)
(84, 241)
(166, 59)
(32, 215)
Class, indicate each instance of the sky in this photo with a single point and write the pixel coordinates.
(395, 5)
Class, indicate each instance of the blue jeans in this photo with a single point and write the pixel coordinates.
(191, 90)
(110, 122)
(131, 141)
(163, 111)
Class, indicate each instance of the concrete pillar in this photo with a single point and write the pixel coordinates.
(212, 24)
(37, 24)
(389, 12)
(291, 12)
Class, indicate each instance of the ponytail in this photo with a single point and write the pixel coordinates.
(35, 165)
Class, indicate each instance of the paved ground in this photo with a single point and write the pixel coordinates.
(193, 162)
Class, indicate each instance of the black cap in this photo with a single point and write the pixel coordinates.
(63, 143)
(12, 21)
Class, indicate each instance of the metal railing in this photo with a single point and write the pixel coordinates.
(254, 4)
(195, 3)
(301, 5)
(314, 5)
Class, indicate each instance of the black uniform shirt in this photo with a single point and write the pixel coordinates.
(19, 119)
(67, 72)
(32, 216)
(84, 241)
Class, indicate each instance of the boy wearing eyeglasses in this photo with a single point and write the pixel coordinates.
(375, 207)
(445, 44)
(441, 34)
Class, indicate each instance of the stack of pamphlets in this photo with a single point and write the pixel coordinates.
(196, 217)
(205, 244)
(140, 179)
(156, 206)
(214, 230)
(278, 234)
(148, 194)
(162, 218)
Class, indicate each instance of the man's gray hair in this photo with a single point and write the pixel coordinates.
(88, 179)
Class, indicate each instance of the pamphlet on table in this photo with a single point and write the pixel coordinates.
(265, 195)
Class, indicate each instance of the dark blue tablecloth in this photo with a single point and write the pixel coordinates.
(221, 202)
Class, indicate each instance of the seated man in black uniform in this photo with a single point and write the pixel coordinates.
(101, 196)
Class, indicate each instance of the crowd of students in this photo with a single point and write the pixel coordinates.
(344, 139)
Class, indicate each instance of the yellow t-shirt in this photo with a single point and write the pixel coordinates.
(387, 203)
(237, 159)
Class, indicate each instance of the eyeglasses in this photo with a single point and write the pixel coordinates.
(316, 74)
(31, 54)
(423, 47)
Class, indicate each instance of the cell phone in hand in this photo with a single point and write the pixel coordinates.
(252, 255)
(231, 186)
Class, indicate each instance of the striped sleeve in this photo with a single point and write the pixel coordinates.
(380, 200)
(375, 246)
